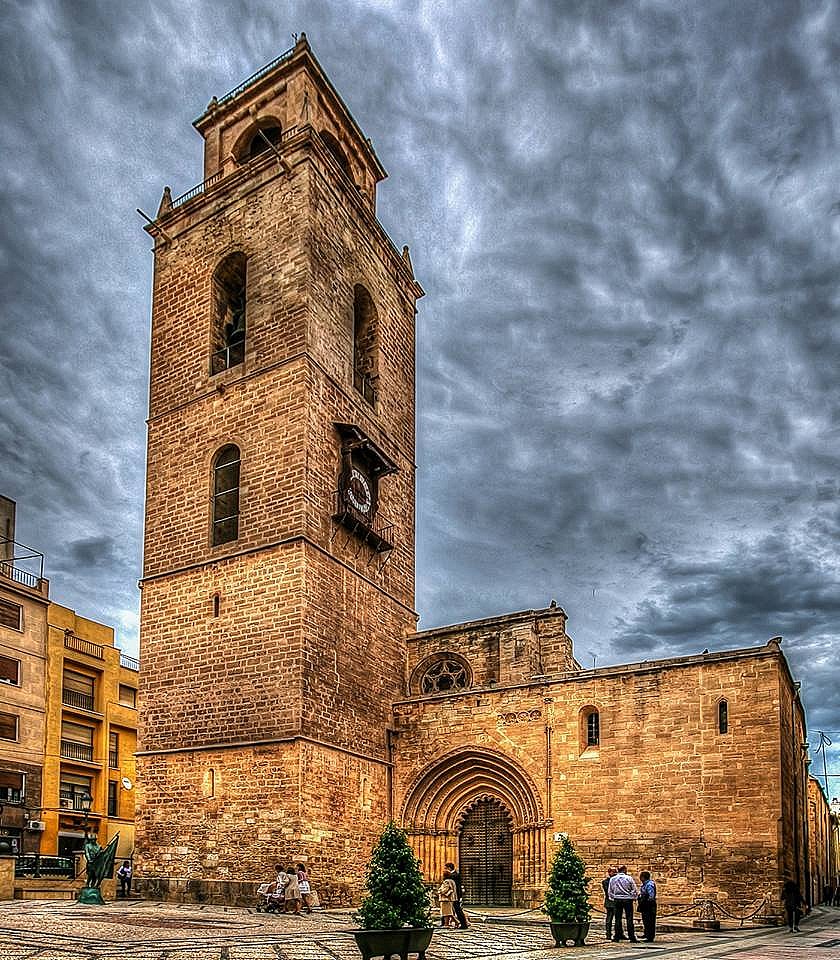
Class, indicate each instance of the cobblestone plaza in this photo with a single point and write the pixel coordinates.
(57, 930)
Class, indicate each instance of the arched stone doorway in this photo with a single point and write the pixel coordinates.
(457, 809)
(485, 854)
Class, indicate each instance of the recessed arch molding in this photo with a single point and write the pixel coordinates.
(442, 795)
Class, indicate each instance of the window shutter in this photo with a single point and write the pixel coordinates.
(8, 726)
(10, 614)
(9, 670)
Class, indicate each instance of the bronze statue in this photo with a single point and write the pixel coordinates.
(100, 864)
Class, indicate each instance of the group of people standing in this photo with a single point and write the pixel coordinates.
(450, 898)
(292, 884)
(620, 894)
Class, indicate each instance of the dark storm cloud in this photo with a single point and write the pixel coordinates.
(626, 217)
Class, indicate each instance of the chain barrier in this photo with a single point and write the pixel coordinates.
(484, 917)
(704, 908)
(714, 905)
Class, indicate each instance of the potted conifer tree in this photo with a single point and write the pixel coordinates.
(566, 901)
(395, 913)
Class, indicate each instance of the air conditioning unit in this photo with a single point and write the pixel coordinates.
(36, 825)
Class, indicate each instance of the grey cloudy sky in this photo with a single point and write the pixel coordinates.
(626, 217)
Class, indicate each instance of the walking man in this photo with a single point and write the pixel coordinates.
(623, 890)
(609, 905)
(647, 905)
(457, 904)
(794, 901)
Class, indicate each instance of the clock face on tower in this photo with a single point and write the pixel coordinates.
(359, 491)
(362, 466)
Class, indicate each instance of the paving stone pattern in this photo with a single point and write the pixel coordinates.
(154, 931)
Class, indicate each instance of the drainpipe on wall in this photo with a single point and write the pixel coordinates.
(795, 750)
(548, 772)
(390, 735)
(806, 837)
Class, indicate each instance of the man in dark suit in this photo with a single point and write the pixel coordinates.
(609, 905)
(457, 906)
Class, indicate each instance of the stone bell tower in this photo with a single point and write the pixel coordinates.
(278, 578)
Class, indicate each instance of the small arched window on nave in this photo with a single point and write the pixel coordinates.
(225, 498)
(723, 716)
(590, 728)
(229, 309)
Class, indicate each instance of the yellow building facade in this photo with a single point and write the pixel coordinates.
(24, 602)
(91, 736)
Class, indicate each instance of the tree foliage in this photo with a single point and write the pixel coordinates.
(395, 896)
(566, 900)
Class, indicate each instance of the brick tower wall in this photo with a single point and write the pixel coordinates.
(261, 805)
(307, 642)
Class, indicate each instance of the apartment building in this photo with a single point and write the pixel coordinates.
(24, 601)
(68, 716)
(91, 736)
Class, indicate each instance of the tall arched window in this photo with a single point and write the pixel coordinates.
(228, 339)
(723, 716)
(226, 495)
(590, 728)
(365, 343)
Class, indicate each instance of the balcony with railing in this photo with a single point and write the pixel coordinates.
(71, 750)
(114, 759)
(256, 76)
(80, 645)
(228, 175)
(130, 663)
(370, 528)
(77, 700)
(37, 866)
(23, 565)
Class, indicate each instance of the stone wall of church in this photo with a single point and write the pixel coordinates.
(663, 789)
(821, 867)
(511, 649)
(793, 832)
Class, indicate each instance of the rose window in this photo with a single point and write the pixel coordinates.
(444, 675)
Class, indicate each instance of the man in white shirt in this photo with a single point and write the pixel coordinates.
(623, 890)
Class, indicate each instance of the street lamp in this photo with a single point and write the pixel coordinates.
(86, 800)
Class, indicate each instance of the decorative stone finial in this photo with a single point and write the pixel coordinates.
(407, 260)
(165, 202)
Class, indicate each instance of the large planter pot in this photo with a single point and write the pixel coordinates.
(387, 943)
(576, 932)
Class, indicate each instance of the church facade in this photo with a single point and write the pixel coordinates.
(289, 708)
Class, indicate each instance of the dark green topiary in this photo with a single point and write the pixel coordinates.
(396, 896)
(566, 900)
